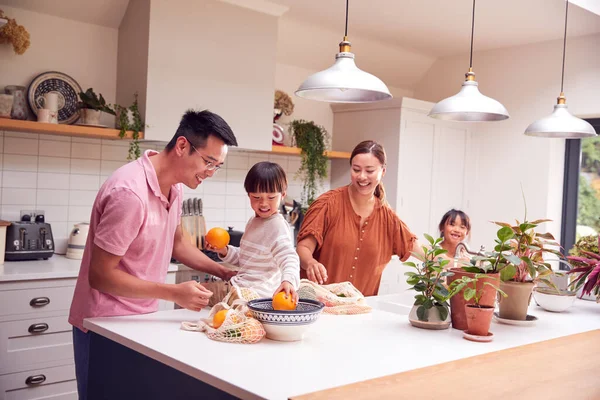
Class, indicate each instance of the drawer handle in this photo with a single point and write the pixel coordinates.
(35, 379)
(39, 302)
(38, 328)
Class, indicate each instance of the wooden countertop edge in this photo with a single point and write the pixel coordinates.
(561, 368)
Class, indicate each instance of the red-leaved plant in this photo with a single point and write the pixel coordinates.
(587, 271)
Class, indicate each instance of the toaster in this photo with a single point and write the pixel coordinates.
(29, 240)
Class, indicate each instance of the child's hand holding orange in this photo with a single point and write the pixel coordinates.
(217, 239)
(285, 297)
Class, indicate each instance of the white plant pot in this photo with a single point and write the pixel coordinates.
(89, 116)
(434, 320)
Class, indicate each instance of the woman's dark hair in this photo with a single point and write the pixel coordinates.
(450, 217)
(372, 147)
(266, 177)
(197, 126)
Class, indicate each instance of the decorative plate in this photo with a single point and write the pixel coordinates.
(68, 94)
(278, 134)
(530, 320)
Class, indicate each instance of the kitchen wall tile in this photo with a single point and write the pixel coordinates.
(55, 148)
(294, 165)
(54, 214)
(115, 142)
(85, 150)
(13, 196)
(198, 192)
(281, 160)
(1, 142)
(10, 212)
(215, 224)
(77, 139)
(1, 159)
(214, 187)
(214, 214)
(22, 135)
(19, 162)
(235, 188)
(55, 138)
(256, 158)
(237, 175)
(54, 164)
(82, 197)
(80, 213)
(108, 167)
(114, 153)
(232, 215)
(87, 167)
(84, 182)
(219, 176)
(52, 197)
(236, 202)
(17, 179)
(103, 179)
(293, 179)
(18, 145)
(295, 192)
(52, 181)
(237, 161)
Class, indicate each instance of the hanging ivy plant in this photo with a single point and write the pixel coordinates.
(131, 120)
(312, 139)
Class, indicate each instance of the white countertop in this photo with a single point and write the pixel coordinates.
(55, 267)
(337, 350)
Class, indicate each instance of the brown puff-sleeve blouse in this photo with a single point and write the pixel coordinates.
(349, 252)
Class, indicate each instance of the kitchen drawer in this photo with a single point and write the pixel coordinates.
(35, 300)
(55, 383)
(21, 346)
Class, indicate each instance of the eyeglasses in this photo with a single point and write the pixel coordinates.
(210, 166)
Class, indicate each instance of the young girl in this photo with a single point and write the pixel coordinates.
(267, 258)
(454, 227)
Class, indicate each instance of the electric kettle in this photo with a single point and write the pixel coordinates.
(77, 239)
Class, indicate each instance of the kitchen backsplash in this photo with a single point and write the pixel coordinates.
(61, 176)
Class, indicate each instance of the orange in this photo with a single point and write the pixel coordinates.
(283, 302)
(219, 318)
(217, 238)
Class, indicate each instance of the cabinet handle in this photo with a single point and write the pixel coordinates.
(38, 328)
(39, 302)
(35, 379)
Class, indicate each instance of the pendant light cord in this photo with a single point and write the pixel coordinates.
(562, 79)
(346, 30)
(472, 32)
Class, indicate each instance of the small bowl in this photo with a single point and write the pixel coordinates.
(286, 326)
(550, 300)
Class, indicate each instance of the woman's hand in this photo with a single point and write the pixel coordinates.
(316, 272)
(288, 288)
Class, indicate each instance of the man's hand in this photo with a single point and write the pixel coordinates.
(191, 295)
(226, 274)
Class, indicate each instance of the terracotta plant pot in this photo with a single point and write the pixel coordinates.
(479, 319)
(458, 302)
(435, 322)
(515, 305)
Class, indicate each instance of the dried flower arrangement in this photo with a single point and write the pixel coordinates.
(15, 34)
(283, 104)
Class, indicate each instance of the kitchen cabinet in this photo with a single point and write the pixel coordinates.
(427, 160)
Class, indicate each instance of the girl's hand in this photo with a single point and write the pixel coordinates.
(316, 272)
(221, 252)
(288, 288)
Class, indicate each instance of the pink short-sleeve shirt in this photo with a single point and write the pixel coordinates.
(133, 219)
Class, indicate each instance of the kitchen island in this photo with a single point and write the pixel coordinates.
(149, 355)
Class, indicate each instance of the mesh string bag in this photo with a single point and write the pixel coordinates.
(339, 298)
(238, 326)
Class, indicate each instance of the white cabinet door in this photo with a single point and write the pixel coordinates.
(415, 171)
(43, 383)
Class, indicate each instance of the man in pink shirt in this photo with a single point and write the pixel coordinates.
(135, 230)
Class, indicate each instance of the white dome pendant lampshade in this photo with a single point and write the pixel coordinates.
(344, 82)
(469, 104)
(561, 123)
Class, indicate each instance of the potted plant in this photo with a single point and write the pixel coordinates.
(586, 266)
(478, 316)
(91, 107)
(431, 308)
(13, 33)
(312, 139)
(129, 119)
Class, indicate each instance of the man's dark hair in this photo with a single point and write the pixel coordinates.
(197, 126)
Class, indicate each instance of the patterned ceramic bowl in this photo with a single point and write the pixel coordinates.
(286, 326)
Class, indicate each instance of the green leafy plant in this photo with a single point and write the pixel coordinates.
(134, 124)
(428, 281)
(471, 292)
(312, 139)
(90, 100)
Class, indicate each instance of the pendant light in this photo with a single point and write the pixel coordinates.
(561, 123)
(344, 82)
(469, 104)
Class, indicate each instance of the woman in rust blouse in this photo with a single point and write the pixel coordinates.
(351, 233)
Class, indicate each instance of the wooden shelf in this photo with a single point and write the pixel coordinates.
(62, 129)
(296, 151)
